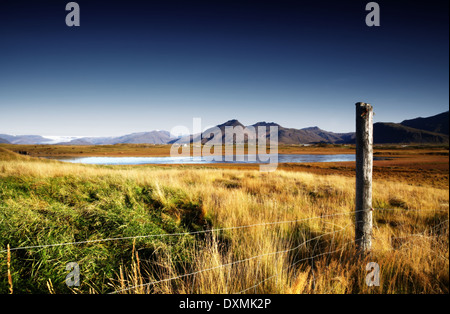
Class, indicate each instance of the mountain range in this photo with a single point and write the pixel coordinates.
(23, 139)
(285, 135)
(429, 130)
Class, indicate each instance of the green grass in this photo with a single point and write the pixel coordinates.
(37, 211)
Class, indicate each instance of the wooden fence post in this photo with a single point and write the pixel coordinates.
(364, 165)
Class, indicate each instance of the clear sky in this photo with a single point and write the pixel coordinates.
(136, 66)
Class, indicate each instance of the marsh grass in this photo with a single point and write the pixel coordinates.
(49, 202)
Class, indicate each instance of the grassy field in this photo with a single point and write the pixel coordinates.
(426, 165)
(48, 202)
(123, 150)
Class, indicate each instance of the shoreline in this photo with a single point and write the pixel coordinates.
(147, 150)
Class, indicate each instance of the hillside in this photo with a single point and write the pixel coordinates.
(153, 137)
(3, 141)
(311, 135)
(78, 141)
(384, 133)
(7, 155)
(285, 135)
(213, 135)
(25, 139)
(437, 124)
(394, 133)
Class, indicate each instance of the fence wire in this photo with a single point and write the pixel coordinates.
(286, 268)
(175, 234)
(229, 264)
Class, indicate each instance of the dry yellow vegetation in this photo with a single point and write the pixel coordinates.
(296, 237)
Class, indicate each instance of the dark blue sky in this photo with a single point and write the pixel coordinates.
(142, 65)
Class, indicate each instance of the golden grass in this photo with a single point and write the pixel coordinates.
(413, 257)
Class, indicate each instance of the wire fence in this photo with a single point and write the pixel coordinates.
(203, 231)
(273, 223)
(233, 263)
(286, 268)
(175, 234)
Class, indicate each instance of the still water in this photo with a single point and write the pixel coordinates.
(242, 159)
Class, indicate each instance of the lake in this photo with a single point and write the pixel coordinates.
(240, 159)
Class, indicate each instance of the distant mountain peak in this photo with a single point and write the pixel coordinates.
(233, 122)
(312, 128)
(266, 124)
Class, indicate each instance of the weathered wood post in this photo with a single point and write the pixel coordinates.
(364, 165)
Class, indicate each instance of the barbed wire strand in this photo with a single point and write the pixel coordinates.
(330, 252)
(175, 234)
(288, 267)
(413, 210)
(421, 248)
(292, 265)
(226, 265)
(423, 234)
(195, 232)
